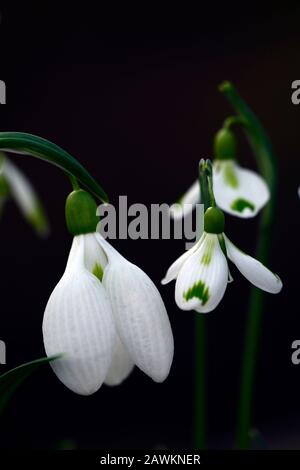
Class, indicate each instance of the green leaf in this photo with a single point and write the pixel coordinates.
(28, 144)
(11, 380)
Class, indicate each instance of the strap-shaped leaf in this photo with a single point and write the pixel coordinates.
(10, 381)
(28, 144)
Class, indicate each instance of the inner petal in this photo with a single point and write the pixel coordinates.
(95, 259)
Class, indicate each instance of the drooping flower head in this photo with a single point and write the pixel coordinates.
(105, 314)
(238, 191)
(202, 273)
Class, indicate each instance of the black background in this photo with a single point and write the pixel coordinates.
(139, 107)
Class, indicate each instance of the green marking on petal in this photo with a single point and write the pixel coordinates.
(199, 290)
(230, 176)
(98, 271)
(207, 255)
(240, 205)
(206, 258)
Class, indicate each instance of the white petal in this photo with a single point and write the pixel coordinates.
(239, 191)
(253, 270)
(187, 202)
(25, 196)
(141, 317)
(78, 323)
(121, 365)
(76, 255)
(174, 269)
(202, 280)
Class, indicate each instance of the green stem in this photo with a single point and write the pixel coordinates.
(200, 390)
(209, 173)
(27, 144)
(232, 120)
(203, 182)
(267, 164)
(207, 198)
(74, 183)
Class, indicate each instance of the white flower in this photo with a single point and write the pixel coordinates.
(105, 315)
(238, 191)
(24, 194)
(202, 273)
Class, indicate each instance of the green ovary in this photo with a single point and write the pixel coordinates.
(239, 205)
(98, 271)
(199, 290)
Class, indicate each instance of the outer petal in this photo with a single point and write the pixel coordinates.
(141, 317)
(121, 365)
(239, 191)
(25, 197)
(253, 270)
(203, 278)
(187, 202)
(174, 269)
(78, 322)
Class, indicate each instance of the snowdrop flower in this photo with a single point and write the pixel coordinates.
(202, 273)
(238, 191)
(105, 315)
(14, 182)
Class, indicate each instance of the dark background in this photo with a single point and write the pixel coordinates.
(139, 107)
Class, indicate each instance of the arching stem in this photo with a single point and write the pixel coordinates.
(267, 165)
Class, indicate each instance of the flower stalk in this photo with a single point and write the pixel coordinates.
(205, 174)
(267, 165)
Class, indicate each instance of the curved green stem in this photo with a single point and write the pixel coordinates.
(233, 120)
(74, 183)
(267, 164)
(22, 143)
